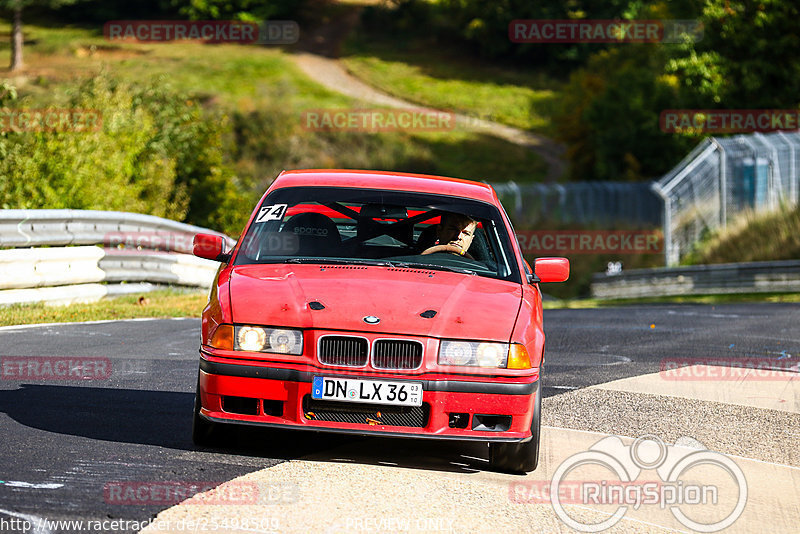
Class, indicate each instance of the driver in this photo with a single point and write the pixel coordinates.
(454, 234)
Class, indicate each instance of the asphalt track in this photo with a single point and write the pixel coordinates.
(66, 442)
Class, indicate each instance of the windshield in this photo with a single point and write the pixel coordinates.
(376, 227)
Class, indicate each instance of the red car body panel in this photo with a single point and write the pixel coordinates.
(468, 307)
(278, 294)
(392, 181)
(443, 403)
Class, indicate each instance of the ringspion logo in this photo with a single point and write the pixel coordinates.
(569, 492)
(691, 479)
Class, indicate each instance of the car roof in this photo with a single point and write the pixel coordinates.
(394, 181)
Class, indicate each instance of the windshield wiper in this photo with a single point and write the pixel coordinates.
(381, 263)
(409, 265)
(356, 261)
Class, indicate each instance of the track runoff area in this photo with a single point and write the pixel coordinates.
(655, 418)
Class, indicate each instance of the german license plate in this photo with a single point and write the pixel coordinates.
(367, 391)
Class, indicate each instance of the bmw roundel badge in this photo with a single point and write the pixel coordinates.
(371, 319)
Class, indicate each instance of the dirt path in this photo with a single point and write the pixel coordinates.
(318, 58)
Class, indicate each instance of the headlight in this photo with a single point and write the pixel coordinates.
(275, 340)
(251, 338)
(473, 354)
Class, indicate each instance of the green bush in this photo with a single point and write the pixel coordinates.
(157, 152)
(115, 167)
(608, 117)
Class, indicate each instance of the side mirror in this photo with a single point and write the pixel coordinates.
(529, 275)
(551, 269)
(210, 247)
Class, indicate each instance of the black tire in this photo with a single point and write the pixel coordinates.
(204, 432)
(520, 457)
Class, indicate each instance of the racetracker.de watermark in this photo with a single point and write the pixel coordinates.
(377, 120)
(166, 493)
(54, 368)
(570, 492)
(133, 242)
(28, 524)
(545, 31)
(554, 242)
(269, 32)
(50, 120)
(724, 369)
(45, 368)
(696, 121)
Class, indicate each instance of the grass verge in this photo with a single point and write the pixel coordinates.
(161, 303)
(269, 93)
(752, 237)
(442, 79)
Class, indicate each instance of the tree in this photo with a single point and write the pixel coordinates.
(608, 116)
(747, 57)
(15, 8)
(250, 10)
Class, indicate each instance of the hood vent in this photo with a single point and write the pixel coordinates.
(407, 270)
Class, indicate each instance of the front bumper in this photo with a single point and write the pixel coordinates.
(281, 396)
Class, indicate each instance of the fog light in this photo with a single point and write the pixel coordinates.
(458, 420)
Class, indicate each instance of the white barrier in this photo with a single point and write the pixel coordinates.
(138, 251)
(178, 269)
(41, 267)
(64, 295)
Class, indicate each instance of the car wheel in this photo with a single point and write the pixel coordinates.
(520, 457)
(204, 433)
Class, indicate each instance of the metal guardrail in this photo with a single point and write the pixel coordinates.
(753, 277)
(137, 252)
(34, 228)
(594, 203)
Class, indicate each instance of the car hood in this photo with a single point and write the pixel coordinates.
(466, 306)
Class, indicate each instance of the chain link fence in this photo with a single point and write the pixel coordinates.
(532, 206)
(722, 178)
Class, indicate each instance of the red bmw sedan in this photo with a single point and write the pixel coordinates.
(377, 303)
